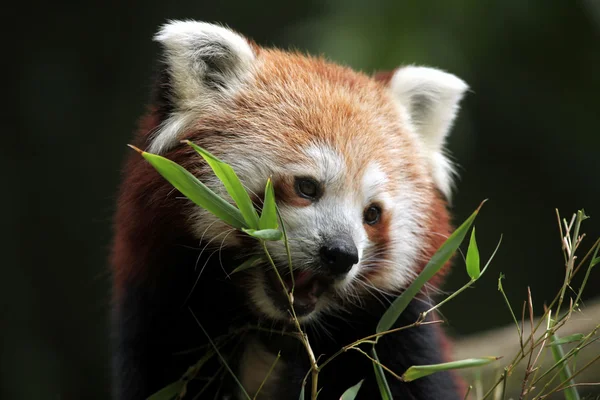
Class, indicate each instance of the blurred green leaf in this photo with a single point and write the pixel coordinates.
(232, 184)
(301, 393)
(265, 234)
(195, 190)
(568, 339)
(384, 388)
(419, 371)
(558, 354)
(268, 217)
(350, 393)
(249, 263)
(438, 260)
(472, 259)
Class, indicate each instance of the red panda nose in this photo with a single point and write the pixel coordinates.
(339, 255)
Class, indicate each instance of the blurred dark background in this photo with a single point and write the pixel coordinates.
(79, 75)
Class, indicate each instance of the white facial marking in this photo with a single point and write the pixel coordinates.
(166, 135)
(340, 209)
(374, 180)
(323, 163)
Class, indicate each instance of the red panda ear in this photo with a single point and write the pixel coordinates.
(204, 65)
(430, 98)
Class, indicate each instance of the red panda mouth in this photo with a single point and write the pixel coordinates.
(307, 289)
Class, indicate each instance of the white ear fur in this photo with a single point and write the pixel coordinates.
(430, 97)
(206, 64)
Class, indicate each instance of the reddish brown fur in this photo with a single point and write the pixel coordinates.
(286, 193)
(288, 110)
(148, 214)
(437, 231)
(380, 232)
(439, 227)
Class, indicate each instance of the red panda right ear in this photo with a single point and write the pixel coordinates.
(204, 66)
(430, 100)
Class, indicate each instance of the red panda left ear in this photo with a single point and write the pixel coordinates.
(205, 65)
(430, 98)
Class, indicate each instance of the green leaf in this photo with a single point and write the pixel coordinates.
(350, 393)
(232, 184)
(169, 392)
(568, 339)
(384, 388)
(473, 263)
(558, 354)
(438, 260)
(265, 234)
(268, 217)
(595, 261)
(301, 393)
(419, 371)
(249, 263)
(195, 190)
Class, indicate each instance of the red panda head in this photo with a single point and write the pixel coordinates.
(358, 164)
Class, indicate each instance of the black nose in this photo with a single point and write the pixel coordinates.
(339, 255)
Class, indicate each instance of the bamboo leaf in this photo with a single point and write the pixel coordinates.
(384, 388)
(438, 260)
(472, 259)
(232, 184)
(301, 393)
(568, 339)
(558, 354)
(265, 234)
(194, 190)
(350, 393)
(249, 263)
(268, 217)
(419, 371)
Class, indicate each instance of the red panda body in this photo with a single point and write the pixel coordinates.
(361, 182)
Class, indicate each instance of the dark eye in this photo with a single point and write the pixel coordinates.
(372, 215)
(307, 188)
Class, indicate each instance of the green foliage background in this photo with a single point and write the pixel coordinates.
(77, 78)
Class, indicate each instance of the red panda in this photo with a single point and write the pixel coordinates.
(362, 183)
